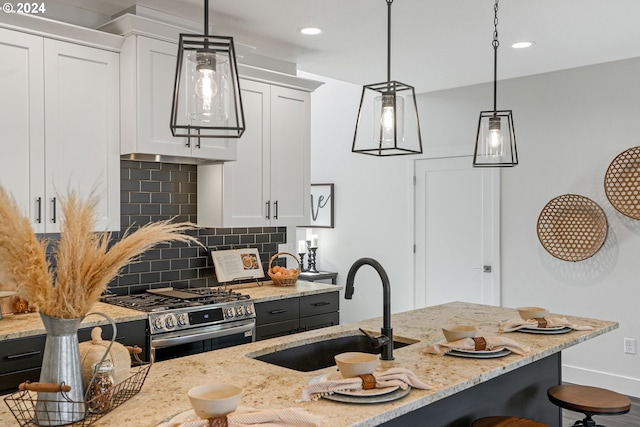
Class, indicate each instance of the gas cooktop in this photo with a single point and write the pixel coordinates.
(169, 298)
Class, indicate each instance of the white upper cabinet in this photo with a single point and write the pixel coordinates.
(147, 70)
(22, 122)
(59, 126)
(269, 183)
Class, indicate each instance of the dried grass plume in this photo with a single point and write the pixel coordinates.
(86, 261)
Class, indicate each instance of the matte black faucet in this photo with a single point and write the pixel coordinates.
(386, 352)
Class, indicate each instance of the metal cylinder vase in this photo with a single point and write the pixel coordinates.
(61, 364)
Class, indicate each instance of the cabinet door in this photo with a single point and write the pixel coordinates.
(22, 122)
(82, 129)
(290, 161)
(156, 69)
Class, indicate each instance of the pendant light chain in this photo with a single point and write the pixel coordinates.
(389, 40)
(495, 45)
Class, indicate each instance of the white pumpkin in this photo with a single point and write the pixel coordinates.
(91, 352)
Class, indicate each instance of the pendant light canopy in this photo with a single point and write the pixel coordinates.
(496, 138)
(388, 130)
(206, 93)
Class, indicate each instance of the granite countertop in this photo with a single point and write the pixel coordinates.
(29, 324)
(25, 325)
(271, 292)
(268, 386)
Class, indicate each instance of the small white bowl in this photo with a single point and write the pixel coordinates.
(352, 364)
(533, 312)
(214, 400)
(458, 332)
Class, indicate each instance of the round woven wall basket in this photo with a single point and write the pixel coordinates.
(622, 183)
(572, 227)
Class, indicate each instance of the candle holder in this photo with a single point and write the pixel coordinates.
(301, 255)
(312, 257)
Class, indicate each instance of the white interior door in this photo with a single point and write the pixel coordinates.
(457, 226)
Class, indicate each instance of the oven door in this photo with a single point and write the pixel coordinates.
(198, 340)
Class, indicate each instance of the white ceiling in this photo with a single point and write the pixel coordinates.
(436, 44)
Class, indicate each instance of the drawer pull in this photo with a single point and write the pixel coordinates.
(21, 355)
(320, 304)
(279, 311)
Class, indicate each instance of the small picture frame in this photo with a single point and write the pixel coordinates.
(322, 205)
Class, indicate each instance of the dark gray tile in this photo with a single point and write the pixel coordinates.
(150, 209)
(150, 186)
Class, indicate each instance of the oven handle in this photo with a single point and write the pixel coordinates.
(206, 334)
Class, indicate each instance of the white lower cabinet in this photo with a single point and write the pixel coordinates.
(59, 127)
(268, 185)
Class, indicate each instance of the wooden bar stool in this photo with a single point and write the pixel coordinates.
(506, 422)
(590, 401)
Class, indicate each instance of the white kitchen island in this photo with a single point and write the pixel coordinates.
(461, 389)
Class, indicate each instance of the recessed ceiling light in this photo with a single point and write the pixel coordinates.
(522, 45)
(311, 31)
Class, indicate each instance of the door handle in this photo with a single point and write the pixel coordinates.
(39, 204)
(53, 204)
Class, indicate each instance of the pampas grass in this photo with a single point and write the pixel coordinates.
(86, 261)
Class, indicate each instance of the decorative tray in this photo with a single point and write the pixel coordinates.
(572, 227)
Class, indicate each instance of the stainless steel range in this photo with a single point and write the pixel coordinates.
(189, 321)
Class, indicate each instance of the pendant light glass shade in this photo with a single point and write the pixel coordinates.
(384, 127)
(206, 93)
(496, 138)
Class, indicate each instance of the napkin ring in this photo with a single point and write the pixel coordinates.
(368, 381)
(542, 322)
(218, 421)
(481, 343)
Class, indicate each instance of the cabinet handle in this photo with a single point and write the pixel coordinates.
(268, 209)
(21, 355)
(188, 143)
(53, 215)
(39, 205)
(276, 206)
(279, 311)
(320, 304)
(198, 143)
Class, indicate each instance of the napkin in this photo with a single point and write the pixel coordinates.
(290, 417)
(400, 377)
(547, 322)
(471, 344)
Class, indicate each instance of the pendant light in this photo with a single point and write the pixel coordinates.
(206, 93)
(388, 131)
(496, 138)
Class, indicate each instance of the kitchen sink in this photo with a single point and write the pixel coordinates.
(318, 355)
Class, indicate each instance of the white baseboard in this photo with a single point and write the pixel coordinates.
(620, 384)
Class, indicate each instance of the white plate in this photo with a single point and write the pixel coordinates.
(479, 355)
(479, 351)
(552, 328)
(371, 392)
(549, 331)
(399, 393)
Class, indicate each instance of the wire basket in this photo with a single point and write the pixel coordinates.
(22, 403)
(282, 280)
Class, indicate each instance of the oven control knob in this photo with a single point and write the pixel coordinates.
(157, 323)
(239, 311)
(170, 321)
(249, 310)
(182, 319)
(229, 312)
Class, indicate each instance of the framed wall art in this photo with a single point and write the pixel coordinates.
(322, 205)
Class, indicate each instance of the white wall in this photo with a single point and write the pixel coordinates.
(569, 125)
(371, 196)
